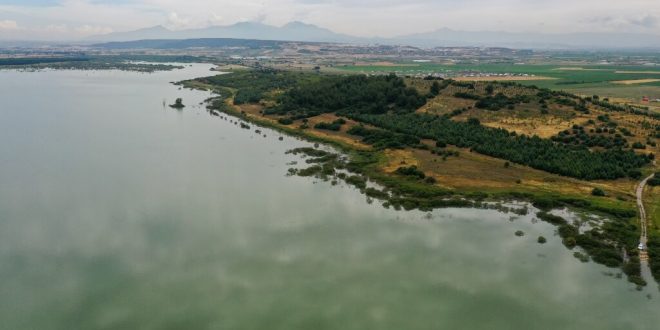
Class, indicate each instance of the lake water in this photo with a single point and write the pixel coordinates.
(117, 212)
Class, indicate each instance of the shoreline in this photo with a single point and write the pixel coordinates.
(498, 194)
(401, 192)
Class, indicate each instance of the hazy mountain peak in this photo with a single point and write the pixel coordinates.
(153, 32)
(293, 31)
(247, 24)
(155, 28)
(299, 24)
(301, 31)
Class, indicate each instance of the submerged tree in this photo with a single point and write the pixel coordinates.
(178, 104)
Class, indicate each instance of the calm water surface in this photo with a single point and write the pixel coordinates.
(119, 213)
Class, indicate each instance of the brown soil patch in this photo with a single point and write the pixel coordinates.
(539, 127)
(639, 72)
(445, 104)
(397, 158)
(635, 82)
(254, 111)
(473, 171)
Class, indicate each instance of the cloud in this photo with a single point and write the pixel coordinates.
(8, 25)
(88, 30)
(54, 29)
(175, 21)
(647, 21)
(215, 18)
(362, 18)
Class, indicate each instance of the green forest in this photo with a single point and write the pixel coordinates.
(348, 95)
(386, 102)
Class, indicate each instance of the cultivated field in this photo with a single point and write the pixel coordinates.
(603, 80)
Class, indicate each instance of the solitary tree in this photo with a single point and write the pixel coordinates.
(490, 89)
(435, 88)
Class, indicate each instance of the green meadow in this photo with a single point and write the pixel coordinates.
(582, 79)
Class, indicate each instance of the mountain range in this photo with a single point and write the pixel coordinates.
(294, 31)
(298, 31)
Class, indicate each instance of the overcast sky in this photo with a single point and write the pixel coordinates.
(71, 19)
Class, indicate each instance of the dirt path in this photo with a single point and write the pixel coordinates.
(643, 254)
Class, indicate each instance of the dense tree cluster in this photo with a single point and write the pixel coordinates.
(464, 84)
(493, 102)
(437, 87)
(252, 86)
(500, 101)
(349, 94)
(39, 60)
(382, 139)
(467, 96)
(543, 154)
(597, 138)
(609, 106)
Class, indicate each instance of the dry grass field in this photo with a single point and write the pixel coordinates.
(474, 172)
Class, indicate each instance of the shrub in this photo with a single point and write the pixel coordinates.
(581, 256)
(551, 218)
(570, 242)
(411, 171)
(635, 174)
(334, 126)
(357, 181)
(638, 145)
(598, 192)
(474, 121)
